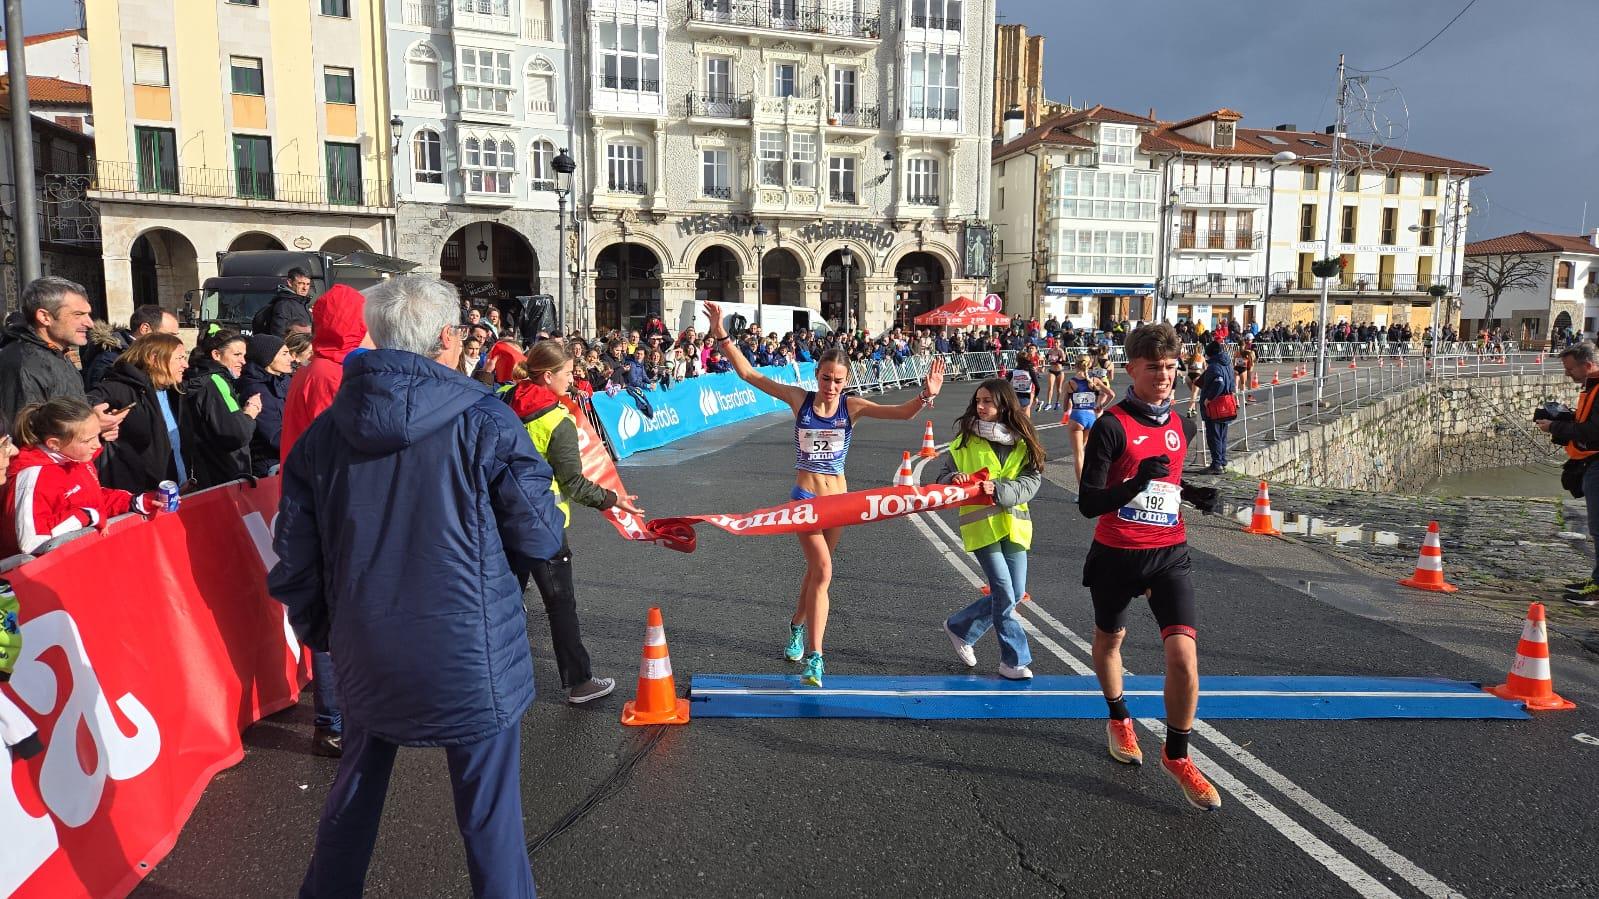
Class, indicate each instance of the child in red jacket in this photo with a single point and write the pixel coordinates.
(53, 488)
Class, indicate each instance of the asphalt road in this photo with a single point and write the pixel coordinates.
(744, 808)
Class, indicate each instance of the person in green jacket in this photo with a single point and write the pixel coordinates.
(542, 380)
(994, 435)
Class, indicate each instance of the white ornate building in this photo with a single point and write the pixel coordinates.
(734, 149)
(479, 90)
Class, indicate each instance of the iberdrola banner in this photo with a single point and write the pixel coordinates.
(820, 513)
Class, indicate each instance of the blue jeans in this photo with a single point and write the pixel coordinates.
(1005, 565)
(1216, 439)
(325, 693)
(1590, 493)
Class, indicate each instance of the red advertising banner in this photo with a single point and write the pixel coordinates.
(817, 514)
(147, 650)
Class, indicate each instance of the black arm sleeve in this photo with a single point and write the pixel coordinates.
(1106, 442)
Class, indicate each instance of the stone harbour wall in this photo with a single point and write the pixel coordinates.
(1417, 435)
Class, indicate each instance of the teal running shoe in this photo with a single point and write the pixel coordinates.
(814, 669)
(796, 643)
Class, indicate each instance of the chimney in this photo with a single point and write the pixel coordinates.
(1594, 237)
(1329, 129)
(1014, 124)
(1286, 128)
(1152, 114)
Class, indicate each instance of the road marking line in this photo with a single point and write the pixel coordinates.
(861, 691)
(1347, 871)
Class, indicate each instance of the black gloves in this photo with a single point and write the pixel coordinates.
(1205, 499)
(1152, 469)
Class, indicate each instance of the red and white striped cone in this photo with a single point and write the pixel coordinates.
(1430, 566)
(929, 445)
(1529, 680)
(904, 478)
(1274, 379)
(1261, 521)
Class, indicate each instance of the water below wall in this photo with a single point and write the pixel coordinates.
(1536, 480)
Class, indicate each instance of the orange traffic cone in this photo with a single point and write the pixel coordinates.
(1254, 380)
(1351, 362)
(657, 701)
(904, 478)
(1026, 597)
(1430, 566)
(929, 448)
(1261, 521)
(1529, 679)
(1274, 379)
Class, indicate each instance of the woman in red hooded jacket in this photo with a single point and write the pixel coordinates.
(337, 327)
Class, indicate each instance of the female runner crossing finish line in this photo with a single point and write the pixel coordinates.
(823, 419)
(1132, 482)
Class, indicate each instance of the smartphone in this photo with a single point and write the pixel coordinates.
(123, 409)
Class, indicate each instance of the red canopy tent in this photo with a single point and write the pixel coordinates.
(962, 312)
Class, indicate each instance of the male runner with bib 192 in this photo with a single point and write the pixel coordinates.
(823, 420)
(1132, 482)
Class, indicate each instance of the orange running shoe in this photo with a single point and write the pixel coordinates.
(1196, 789)
(1122, 742)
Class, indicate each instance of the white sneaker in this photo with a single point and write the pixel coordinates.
(963, 650)
(1020, 673)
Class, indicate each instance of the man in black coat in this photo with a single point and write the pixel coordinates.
(34, 366)
(107, 343)
(289, 310)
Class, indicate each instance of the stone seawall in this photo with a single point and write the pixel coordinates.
(1417, 435)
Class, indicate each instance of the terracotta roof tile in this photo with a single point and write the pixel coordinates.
(1321, 152)
(1057, 130)
(48, 36)
(44, 90)
(1532, 242)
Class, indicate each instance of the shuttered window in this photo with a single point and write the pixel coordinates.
(150, 65)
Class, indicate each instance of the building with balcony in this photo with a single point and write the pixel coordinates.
(234, 126)
(481, 93)
(1539, 284)
(69, 222)
(742, 150)
(1076, 205)
(1399, 223)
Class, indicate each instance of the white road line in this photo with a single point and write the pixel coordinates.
(1263, 694)
(1347, 871)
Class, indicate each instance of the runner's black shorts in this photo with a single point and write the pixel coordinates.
(1115, 576)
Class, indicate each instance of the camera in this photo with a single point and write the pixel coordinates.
(1553, 412)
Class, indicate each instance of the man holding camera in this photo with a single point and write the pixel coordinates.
(1578, 432)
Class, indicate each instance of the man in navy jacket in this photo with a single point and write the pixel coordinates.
(408, 510)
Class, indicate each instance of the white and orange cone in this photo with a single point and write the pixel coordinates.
(1261, 521)
(1274, 379)
(904, 478)
(1529, 679)
(657, 701)
(1430, 566)
(929, 446)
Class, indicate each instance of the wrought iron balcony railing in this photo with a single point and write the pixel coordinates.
(841, 196)
(789, 17)
(922, 199)
(717, 106)
(1219, 194)
(647, 85)
(715, 192)
(1218, 286)
(182, 182)
(1361, 282)
(629, 187)
(858, 117)
(1221, 240)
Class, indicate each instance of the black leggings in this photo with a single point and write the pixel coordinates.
(554, 579)
(1114, 576)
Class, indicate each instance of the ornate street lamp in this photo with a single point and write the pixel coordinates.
(564, 165)
(846, 260)
(759, 233)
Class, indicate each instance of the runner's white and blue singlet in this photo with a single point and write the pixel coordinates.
(821, 443)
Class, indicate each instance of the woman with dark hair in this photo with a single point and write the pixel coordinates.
(216, 422)
(149, 445)
(823, 421)
(268, 368)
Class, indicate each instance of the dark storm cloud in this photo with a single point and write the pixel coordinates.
(1510, 85)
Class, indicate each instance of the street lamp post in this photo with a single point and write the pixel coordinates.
(759, 232)
(1286, 157)
(847, 261)
(563, 164)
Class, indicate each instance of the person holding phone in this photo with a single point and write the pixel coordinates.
(143, 383)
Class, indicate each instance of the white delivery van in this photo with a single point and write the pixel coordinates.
(739, 316)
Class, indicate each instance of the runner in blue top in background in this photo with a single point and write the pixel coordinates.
(1089, 395)
(823, 421)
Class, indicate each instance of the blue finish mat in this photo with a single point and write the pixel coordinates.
(971, 696)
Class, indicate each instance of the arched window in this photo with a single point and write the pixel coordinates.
(427, 157)
(542, 174)
(540, 86)
(422, 73)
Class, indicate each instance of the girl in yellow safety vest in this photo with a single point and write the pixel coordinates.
(542, 380)
(995, 435)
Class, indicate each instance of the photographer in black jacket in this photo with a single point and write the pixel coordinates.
(1579, 433)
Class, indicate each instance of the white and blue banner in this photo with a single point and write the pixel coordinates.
(691, 406)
